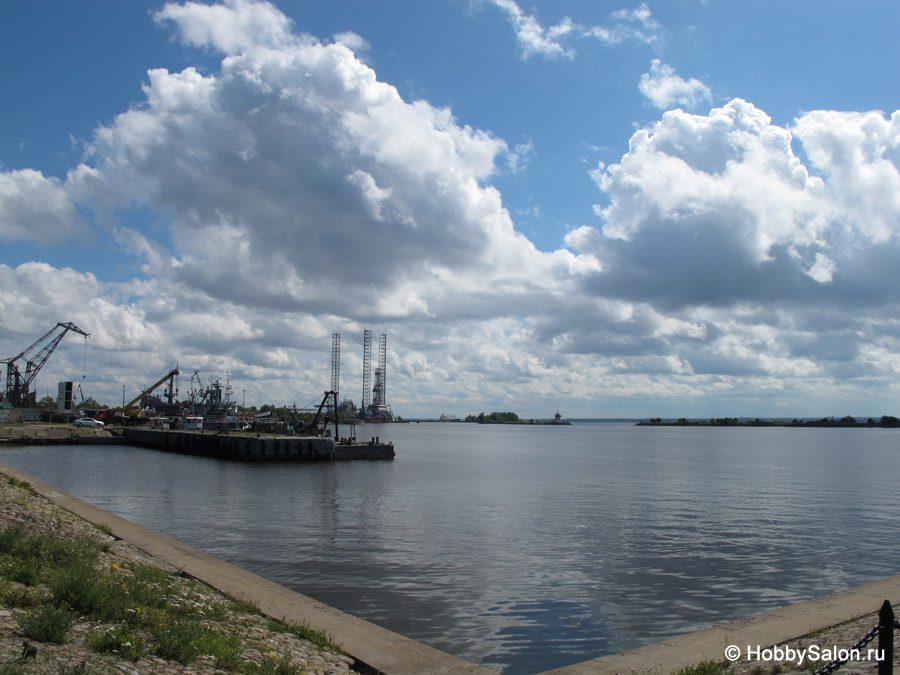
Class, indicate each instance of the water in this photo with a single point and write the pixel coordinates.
(530, 548)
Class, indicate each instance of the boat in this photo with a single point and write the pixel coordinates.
(558, 421)
(378, 413)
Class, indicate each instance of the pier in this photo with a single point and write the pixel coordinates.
(219, 445)
(257, 448)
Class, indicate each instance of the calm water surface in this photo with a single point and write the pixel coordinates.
(525, 549)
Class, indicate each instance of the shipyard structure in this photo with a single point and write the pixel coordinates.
(374, 408)
(161, 421)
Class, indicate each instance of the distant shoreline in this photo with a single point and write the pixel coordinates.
(848, 422)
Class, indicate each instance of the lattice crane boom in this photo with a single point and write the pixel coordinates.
(17, 385)
(144, 395)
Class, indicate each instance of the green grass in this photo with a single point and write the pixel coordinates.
(48, 623)
(151, 611)
(280, 667)
(119, 640)
(22, 597)
(85, 590)
(81, 669)
(319, 639)
(15, 482)
(14, 669)
(42, 551)
(105, 529)
(243, 606)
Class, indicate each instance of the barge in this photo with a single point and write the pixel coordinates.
(257, 448)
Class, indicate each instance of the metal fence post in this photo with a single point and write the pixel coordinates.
(886, 639)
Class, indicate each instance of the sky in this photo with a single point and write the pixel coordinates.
(611, 209)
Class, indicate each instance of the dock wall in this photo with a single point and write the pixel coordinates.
(235, 447)
(256, 448)
(370, 450)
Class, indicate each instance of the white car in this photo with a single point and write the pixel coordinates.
(87, 422)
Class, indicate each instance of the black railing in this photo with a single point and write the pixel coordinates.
(884, 631)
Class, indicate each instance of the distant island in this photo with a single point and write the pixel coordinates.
(886, 421)
(512, 418)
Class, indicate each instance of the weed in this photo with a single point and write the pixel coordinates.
(179, 641)
(149, 575)
(118, 640)
(80, 669)
(15, 482)
(147, 586)
(10, 537)
(153, 611)
(272, 667)
(225, 649)
(215, 611)
(23, 572)
(82, 588)
(36, 552)
(104, 528)
(14, 669)
(239, 606)
(318, 638)
(48, 624)
(21, 597)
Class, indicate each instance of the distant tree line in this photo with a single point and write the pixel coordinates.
(49, 403)
(494, 418)
(846, 421)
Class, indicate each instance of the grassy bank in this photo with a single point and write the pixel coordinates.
(90, 604)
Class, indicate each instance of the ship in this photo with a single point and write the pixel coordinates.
(210, 404)
(378, 412)
(558, 420)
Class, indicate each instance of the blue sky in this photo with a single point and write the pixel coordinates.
(680, 208)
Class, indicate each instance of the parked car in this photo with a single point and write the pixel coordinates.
(87, 422)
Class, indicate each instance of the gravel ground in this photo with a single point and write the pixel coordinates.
(263, 648)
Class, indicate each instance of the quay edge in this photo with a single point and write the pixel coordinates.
(257, 448)
(240, 447)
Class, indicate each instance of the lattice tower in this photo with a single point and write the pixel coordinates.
(380, 393)
(336, 362)
(367, 368)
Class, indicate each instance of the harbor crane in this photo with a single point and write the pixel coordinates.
(18, 385)
(144, 395)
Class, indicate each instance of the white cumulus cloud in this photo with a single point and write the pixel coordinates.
(37, 208)
(665, 88)
(534, 39)
(290, 193)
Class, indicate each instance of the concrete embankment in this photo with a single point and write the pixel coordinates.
(55, 434)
